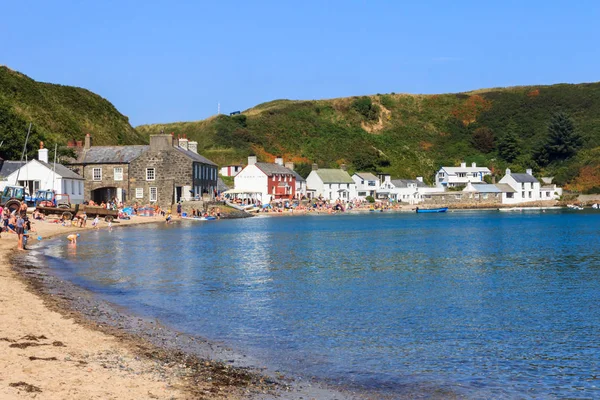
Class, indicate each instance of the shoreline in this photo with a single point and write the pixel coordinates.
(151, 360)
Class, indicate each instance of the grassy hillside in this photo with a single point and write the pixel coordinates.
(57, 113)
(410, 135)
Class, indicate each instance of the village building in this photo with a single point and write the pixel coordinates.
(409, 191)
(7, 167)
(39, 174)
(171, 171)
(473, 195)
(526, 186)
(366, 183)
(231, 170)
(300, 181)
(272, 181)
(330, 184)
(450, 177)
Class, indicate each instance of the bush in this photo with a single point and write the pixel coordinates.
(370, 199)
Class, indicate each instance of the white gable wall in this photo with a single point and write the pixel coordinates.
(252, 179)
(35, 171)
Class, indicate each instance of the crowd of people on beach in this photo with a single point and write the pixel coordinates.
(17, 222)
(320, 206)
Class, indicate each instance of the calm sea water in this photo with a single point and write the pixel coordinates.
(481, 305)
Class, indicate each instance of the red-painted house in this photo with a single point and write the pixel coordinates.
(272, 180)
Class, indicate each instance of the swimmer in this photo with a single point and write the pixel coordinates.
(73, 238)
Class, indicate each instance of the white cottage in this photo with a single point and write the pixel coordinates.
(526, 187)
(366, 183)
(39, 174)
(459, 176)
(272, 180)
(331, 184)
(404, 190)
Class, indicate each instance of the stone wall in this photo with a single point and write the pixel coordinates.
(108, 178)
(172, 169)
(462, 199)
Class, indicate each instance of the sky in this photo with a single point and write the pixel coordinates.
(167, 61)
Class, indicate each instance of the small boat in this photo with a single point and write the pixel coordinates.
(574, 207)
(595, 206)
(432, 210)
(209, 218)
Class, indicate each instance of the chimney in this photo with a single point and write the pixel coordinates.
(174, 141)
(529, 171)
(193, 146)
(343, 167)
(279, 161)
(420, 178)
(507, 171)
(43, 153)
(315, 167)
(88, 141)
(183, 143)
(387, 178)
(463, 165)
(251, 160)
(474, 165)
(289, 165)
(160, 142)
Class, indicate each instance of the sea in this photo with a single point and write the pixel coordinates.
(481, 304)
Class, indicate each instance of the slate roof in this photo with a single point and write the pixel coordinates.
(334, 176)
(111, 154)
(195, 156)
(61, 170)
(486, 188)
(366, 176)
(271, 168)
(524, 178)
(403, 183)
(505, 188)
(299, 177)
(221, 186)
(8, 167)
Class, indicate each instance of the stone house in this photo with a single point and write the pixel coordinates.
(164, 172)
(169, 172)
(105, 169)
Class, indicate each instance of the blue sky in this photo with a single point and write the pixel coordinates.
(160, 61)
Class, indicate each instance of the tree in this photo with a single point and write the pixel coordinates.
(563, 141)
(365, 107)
(508, 146)
(483, 139)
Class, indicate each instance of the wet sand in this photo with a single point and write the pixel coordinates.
(58, 341)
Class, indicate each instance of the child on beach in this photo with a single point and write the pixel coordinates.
(96, 222)
(73, 238)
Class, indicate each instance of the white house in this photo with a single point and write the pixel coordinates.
(404, 190)
(526, 186)
(39, 174)
(367, 184)
(460, 176)
(272, 180)
(231, 170)
(331, 184)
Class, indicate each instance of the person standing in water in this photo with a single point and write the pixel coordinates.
(20, 231)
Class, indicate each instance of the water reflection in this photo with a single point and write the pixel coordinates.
(486, 304)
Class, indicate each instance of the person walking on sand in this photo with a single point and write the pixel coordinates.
(20, 230)
(179, 210)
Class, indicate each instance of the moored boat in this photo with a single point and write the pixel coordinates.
(432, 210)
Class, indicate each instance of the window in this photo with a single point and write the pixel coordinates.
(371, 183)
(522, 195)
(150, 174)
(458, 196)
(485, 196)
(139, 193)
(441, 175)
(474, 174)
(97, 174)
(530, 195)
(153, 194)
(509, 195)
(547, 194)
(461, 174)
(118, 174)
(362, 193)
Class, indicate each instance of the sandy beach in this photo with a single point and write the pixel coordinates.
(50, 349)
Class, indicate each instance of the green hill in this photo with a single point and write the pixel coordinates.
(58, 113)
(411, 135)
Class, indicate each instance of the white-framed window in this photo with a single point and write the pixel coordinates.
(97, 174)
(150, 174)
(118, 174)
(139, 193)
(153, 194)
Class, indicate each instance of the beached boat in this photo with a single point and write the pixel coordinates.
(209, 218)
(432, 210)
(574, 207)
(520, 209)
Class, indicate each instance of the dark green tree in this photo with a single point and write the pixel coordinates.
(508, 145)
(364, 106)
(563, 141)
(483, 139)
